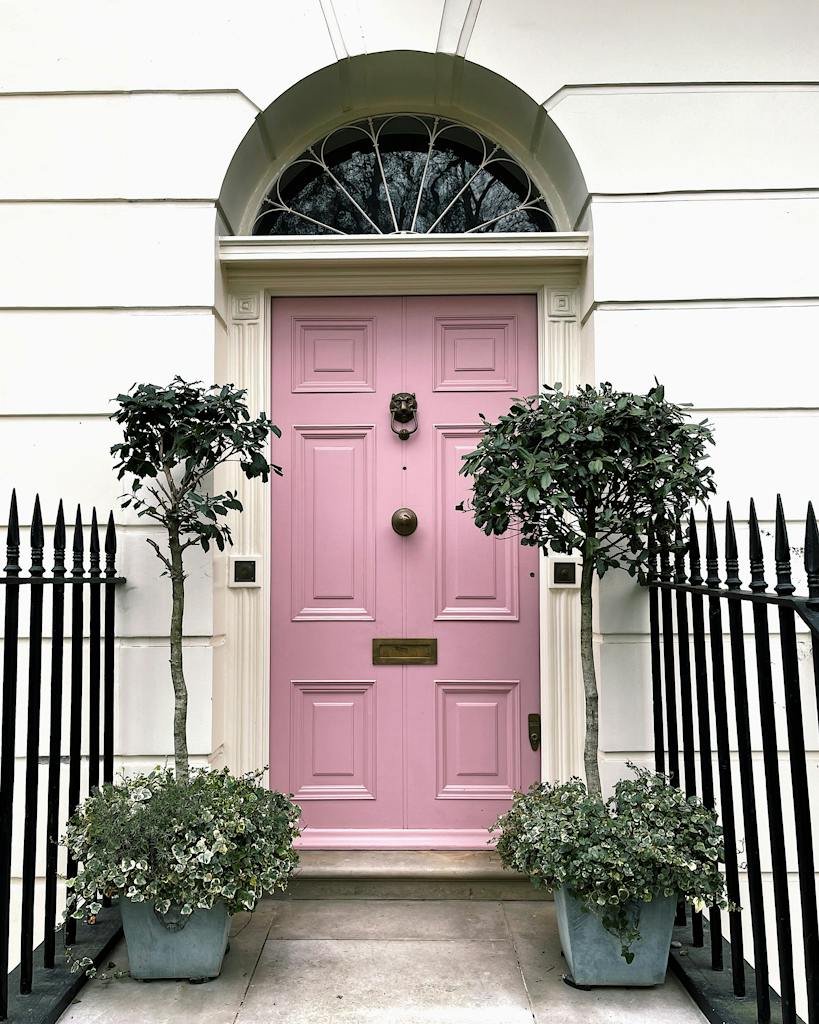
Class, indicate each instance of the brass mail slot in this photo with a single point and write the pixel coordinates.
(410, 651)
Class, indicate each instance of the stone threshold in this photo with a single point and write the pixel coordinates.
(408, 875)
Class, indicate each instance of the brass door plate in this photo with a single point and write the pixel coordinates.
(408, 651)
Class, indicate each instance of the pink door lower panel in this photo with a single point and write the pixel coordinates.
(401, 756)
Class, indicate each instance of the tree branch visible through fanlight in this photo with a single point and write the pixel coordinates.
(354, 154)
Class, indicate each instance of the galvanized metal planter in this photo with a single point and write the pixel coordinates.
(172, 945)
(593, 955)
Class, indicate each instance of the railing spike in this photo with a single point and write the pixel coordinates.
(110, 536)
(711, 552)
(679, 555)
(812, 552)
(662, 539)
(13, 533)
(732, 580)
(782, 552)
(37, 539)
(94, 545)
(78, 545)
(694, 550)
(59, 530)
(651, 548)
(756, 555)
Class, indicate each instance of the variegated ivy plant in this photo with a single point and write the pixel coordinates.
(645, 841)
(187, 844)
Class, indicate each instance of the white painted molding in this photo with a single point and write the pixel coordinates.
(394, 839)
(243, 692)
(571, 247)
(562, 696)
(549, 266)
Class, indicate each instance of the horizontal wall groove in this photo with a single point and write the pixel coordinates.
(189, 640)
(614, 88)
(204, 201)
(705, 194)
(607, 305)
(612, 754)
(638, 639)
(52, 415)
(751, 410)
(91, 93)
(212, 310)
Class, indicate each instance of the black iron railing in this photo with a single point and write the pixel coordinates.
(41, 585)
(697, 705)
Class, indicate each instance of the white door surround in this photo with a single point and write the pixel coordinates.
(256, 269)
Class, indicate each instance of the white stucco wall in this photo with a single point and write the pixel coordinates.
(694, 128)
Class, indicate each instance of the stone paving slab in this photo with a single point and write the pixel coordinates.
(384, 962)
(397, 981)
(125, 1001)
(389, 919)
(534, 933)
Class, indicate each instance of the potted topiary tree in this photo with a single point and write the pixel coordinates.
(590, 472)
(183, 849)
(617, 869)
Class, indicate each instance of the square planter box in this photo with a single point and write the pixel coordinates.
(593, 954)
(172, 946)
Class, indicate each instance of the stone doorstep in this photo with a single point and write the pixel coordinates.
(407, 875)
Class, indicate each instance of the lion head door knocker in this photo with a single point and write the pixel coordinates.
(403, 411)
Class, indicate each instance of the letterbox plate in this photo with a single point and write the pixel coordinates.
(407, 651)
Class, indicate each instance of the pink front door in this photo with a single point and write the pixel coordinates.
(397, 755)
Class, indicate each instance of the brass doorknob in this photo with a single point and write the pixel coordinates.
(404, 521)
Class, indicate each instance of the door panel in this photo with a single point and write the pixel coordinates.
(475, 353)
(373, 750)
(333, 740)
(333, 554)
(477, 741)
(476, 576)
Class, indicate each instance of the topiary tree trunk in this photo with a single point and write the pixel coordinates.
(591, 742)
(588, 473)
(180, 689)
(174, 438)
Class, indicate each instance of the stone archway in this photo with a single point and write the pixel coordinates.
(401, 80)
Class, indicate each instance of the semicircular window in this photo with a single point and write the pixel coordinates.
(402, 173)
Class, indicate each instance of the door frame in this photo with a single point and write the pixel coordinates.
(255, 270)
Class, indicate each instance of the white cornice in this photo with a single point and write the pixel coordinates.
(548, 248)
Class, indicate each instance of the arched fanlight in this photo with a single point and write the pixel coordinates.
(402, 174)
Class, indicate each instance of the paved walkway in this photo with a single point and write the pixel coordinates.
(384, 962)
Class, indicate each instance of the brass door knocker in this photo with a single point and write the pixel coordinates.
(403, 411)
